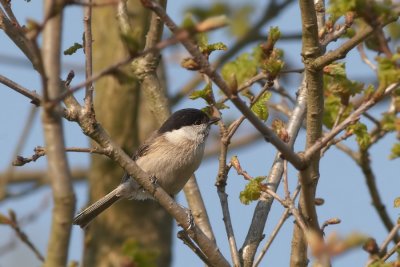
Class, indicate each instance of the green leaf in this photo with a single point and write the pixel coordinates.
(394, 31)
(220, 106)
(273, 66)
(252, 191)
(209, 48)
(364, 9)
(336, 82)
(205, 47)
(388, 72)
(205, 93)
(274, 34)
(270, 58)
(215, 9)
(331, 110)
(361, 132)
(241, 69)
(241, 20)
(217, 46)
(395, 151)
(337, 69)
(260, 107)
(338, 8)
(72, 49)
(188, 22)
(389, 122)
(202, 41)
(397, 202)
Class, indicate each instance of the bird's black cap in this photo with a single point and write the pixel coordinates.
(184, 117)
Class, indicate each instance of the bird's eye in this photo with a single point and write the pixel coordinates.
(198, 122)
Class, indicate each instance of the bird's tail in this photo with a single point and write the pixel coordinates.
(91, 212)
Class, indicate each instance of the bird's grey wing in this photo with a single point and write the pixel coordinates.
(140, 152)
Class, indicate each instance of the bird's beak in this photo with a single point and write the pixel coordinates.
(213, 120)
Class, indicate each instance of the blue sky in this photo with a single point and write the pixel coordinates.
(342, 184)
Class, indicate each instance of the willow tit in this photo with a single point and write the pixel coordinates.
(172, 154)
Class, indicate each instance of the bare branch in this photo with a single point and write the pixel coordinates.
(370, 179)
(391, 252)
(58, 169)
(260, 216)
(308, 177)
(41, 151)
(188, 242)
(286, 214)
(88, 55)
(112, 68)
(32, 95)
(13, 223)
(40, 176)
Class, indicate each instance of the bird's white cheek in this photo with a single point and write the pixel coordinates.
(195, 133)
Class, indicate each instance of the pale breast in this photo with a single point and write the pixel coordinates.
(172, 164)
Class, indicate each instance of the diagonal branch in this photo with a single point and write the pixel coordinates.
(206, 68)
(261, 212)
(353, 117)
(342, 51)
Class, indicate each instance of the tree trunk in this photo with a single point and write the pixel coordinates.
(129, 233)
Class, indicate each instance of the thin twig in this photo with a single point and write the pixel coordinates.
(7, 7)
(112, 68)
(335, 34)
(227, 135)
(18, 148)
(285, 180)
(87, 24)
(286, 214)
(391, 252)
(370, 179)
(41, 151)
(364, 57)
(13, 223)
(261, 212)
(32, 95)
(342, 51)
(349, 120)
(389, 238)
(92, 3)
(182, 235)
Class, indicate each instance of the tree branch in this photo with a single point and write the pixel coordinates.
(342, 51)
(13, 223)
(353, 117)
(315, 105)
(205, 67)
(261, 212)
(58, 170)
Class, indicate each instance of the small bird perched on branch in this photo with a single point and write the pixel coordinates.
(171, 154)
